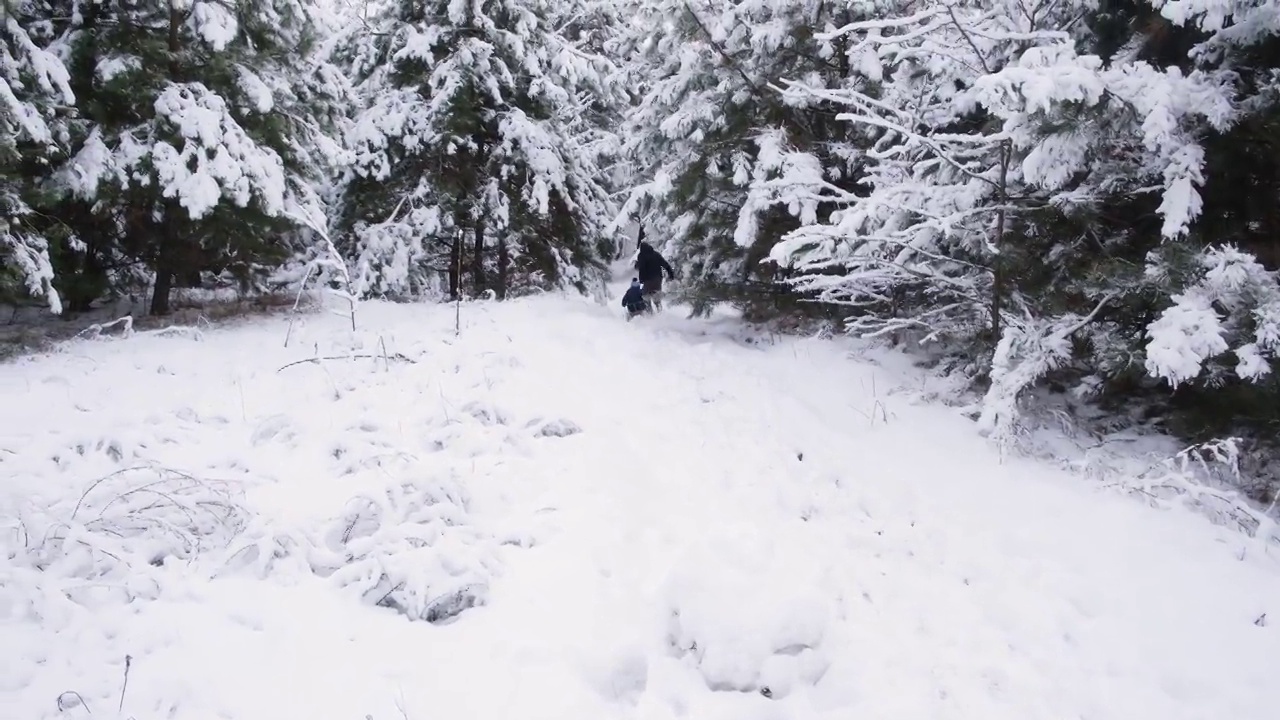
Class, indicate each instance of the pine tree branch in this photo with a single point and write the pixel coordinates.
(1078, 326)
(951, 10)
(733, 63)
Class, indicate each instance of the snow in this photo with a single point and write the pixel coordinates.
(111, 67)
(564, 515)
(214, 24)
(257, 94)
(217, 157)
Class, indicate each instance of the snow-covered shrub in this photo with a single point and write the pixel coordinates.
(141, 515)
(1204, 478)
(970, 164)
(410, 547)
(554, 427)
(389, 257)
(106, 543)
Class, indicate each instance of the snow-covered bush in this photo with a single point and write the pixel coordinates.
(1028, 351)
(410, 548)
(106, 544)
(1205, 478)
(968, 153)
(142, 515)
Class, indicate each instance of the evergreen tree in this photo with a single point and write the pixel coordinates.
(715, 142)
(470, 158)
(35, 92)
(201, 139)
(985, 173)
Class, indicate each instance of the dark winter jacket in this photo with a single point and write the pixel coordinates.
(649, 265)
(633, 300)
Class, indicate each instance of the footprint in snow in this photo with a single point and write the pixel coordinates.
(553, 428)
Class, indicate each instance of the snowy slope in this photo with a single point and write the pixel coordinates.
(652, 520)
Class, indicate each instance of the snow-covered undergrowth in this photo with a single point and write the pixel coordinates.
(556, 514)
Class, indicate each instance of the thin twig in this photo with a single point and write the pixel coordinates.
(128, 660)
(98, 482)
(97, 328)
(64, 705)
(395, 356)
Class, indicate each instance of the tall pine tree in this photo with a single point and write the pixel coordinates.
(470, 159)
(715, 142)
(203, 133)
(35, 94)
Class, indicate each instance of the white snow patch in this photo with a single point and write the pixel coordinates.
(557, 514)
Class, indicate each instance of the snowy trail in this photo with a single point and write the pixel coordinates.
(713, 528)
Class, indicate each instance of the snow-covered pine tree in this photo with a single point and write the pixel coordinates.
(994, 140)
(713, 140)
(593, 26)
(470, 155)
(204, 129)
(1224, 321)
(34, 95)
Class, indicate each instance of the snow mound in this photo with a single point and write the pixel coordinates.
(755, 625)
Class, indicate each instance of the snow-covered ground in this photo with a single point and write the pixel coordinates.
(560, 515)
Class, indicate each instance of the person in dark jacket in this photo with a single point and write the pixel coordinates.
(649, 266)
(634, 300)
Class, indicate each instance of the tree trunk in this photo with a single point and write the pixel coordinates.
(455, 267)
(477, 258)
(504, 262)
(168, 235)
(160, 294)
(176, 18)
(88, 283)
(169, 257)
(997, 262)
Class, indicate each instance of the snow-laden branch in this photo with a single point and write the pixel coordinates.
(1027, 351)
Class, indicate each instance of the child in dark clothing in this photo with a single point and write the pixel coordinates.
(634, 300)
